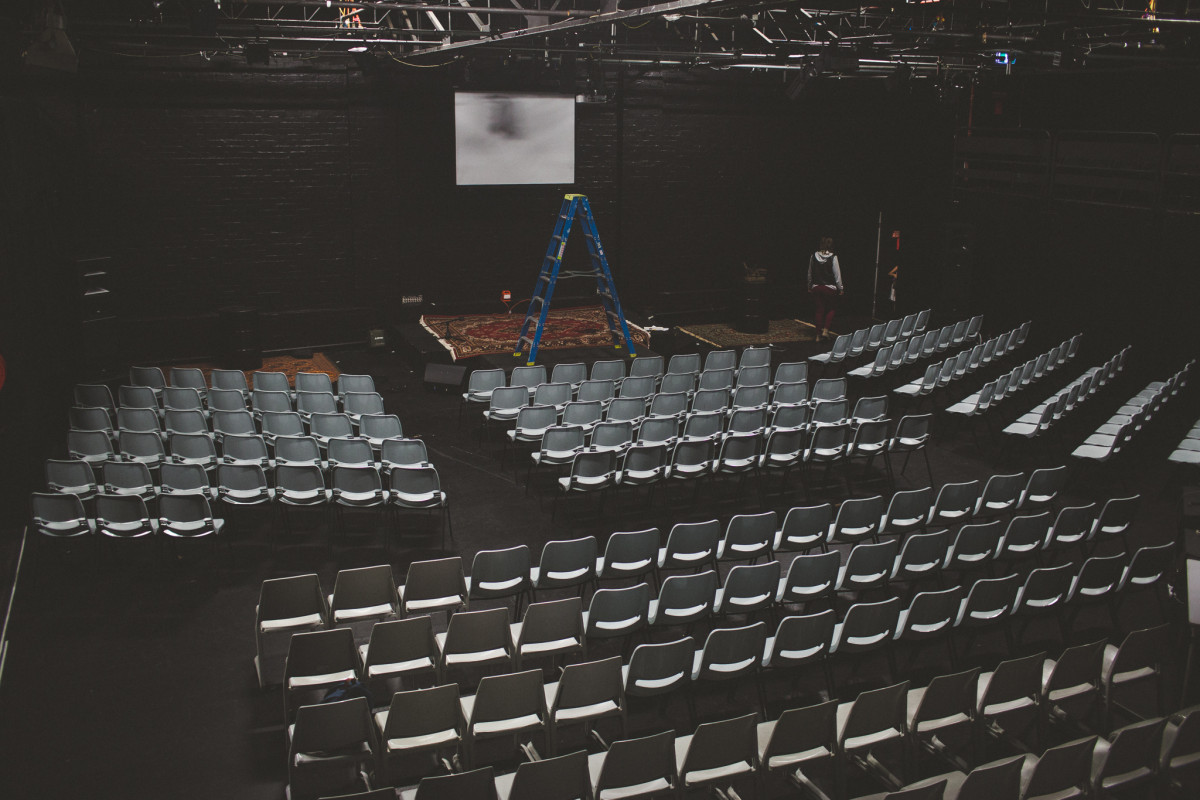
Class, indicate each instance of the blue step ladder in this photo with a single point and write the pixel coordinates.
(539, 305)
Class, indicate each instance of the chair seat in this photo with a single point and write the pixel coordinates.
(867, 740)
(362, 499)
(859, 641)
(681, 613)
(357, 752)
(246, 496)
(585, 484)
(706, 775)
(788, 655)
(541, 457)
(577, 712)
(310, 497)
(418, 499)
(920, 629)
(193, 529)
(428, 740)
(328, 678)
(1092, 453)
(513, 725)
(633, 477)
(914, 702)
(655, 786)
(362, 613)
(735, 604)
(431, 603)
(306, 621)
(395, 667)
(128, 530)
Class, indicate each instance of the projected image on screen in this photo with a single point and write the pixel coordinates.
(502, 138)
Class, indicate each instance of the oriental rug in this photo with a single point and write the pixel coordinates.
(489, 334)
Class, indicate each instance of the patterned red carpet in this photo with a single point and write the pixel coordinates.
(487, 334)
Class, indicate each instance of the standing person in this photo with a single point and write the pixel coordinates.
(825, 285)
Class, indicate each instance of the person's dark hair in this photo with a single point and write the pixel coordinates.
(826, 242)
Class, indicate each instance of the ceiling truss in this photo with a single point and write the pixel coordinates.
(831, 37)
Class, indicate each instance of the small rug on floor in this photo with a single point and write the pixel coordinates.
(490, 334)
(719, 334)
(289, 365)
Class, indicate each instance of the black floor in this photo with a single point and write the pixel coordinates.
(131, 675)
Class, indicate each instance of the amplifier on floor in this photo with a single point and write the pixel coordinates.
(444, 377)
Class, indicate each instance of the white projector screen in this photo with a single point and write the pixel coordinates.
(502, 138)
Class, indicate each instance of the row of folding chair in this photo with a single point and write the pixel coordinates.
(124, 511)
(1025, 535)
(369, 418)
(556, 441)
(814, 749)
(125, 518)
(638, 400)
(940, 375)
(883, 732)
(187, 451)
(992, 393)
(1158, 756)
(896, 356)
(951, 716)
(482, 383)
(134, 400)
(716, 756)
(1188, 450)
(670, 416)
(544, 411)
(235, 431)
(748, 537)
(560, 628)
(1060, 404)
(193, 460)
(908, 352)
(740, 454)
(235, 380)
(1114, 434)
(881, 334)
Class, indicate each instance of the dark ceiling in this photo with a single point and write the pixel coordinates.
(811, 37)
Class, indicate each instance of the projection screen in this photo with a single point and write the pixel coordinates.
(504, 138)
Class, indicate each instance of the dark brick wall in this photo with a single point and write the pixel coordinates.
(328, 195)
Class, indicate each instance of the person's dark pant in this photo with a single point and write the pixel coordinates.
(826, 303)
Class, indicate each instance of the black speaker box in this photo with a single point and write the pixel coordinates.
(447, 377)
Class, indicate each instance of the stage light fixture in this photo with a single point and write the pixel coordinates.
(358, 48)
